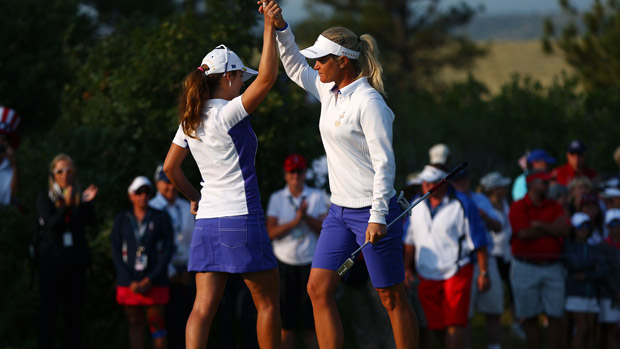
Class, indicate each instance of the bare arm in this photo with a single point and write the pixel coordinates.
(408, 258)
(277, 231)
(268, 67)
(172, 169)
(539, 229)
(483, 281)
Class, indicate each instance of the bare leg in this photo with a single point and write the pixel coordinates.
(530, 326)
(321, 287)
(136, 321)
(155, 315)
(455, 337)
(310, 339)
(555, 334)
(494, 329)
(288, 339)
(209, 290)
(265, 289)
(403, 319)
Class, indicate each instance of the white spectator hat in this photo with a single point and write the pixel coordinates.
(612, 215)
(611, 193)
(438, 154)
(222, 60)
(494, 180)
(139, 182)
(579, 218)
(431, 174)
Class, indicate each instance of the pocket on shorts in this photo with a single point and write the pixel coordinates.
(233, 231)
(197, 236)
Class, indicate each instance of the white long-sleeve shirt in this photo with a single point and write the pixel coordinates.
(356, 129)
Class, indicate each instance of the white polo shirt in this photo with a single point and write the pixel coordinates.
(224, 152)
(182, 222)
(356, 129)
(445, 238)
(296, 247)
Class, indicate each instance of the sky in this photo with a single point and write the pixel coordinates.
(294, 9)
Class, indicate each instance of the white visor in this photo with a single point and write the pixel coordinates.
(323, 47)
(431, 174)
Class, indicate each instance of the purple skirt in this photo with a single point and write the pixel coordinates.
(238, 244)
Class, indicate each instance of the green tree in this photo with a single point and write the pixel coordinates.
(592, 49)
(35, 41)
(415, 36)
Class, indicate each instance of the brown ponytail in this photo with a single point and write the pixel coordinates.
(197, 88)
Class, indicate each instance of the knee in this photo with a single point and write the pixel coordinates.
(390, 298)
(316, 290)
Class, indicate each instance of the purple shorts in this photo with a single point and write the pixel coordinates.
(344, 230)
(238, 244)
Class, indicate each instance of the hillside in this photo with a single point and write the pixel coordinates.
(507, 57)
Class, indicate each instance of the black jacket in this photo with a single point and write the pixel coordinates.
(157, 241)
(55, 223)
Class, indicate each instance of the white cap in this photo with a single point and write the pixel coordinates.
(611, 193)
(611, 215)
(438, 154)
(579, 218)
(323, 47)
(414, 178)
(494, 180)
(431, 174)
(222, 60)
(139, 182)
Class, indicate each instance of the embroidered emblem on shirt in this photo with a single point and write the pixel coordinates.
(338, 123)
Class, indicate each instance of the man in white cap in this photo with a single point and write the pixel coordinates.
(443, 236)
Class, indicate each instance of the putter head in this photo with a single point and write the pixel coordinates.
(345, 267)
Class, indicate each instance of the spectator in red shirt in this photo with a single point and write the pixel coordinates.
(576, 164)
(536, 275)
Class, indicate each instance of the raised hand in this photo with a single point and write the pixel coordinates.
(90, 193)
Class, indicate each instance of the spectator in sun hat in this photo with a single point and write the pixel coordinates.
(585, 269)
(294, 217)
(182, 287)
(576, 164)
(538, 228)
(9, 141)
(536, 160)
(447, 225)
(142, 245)
(609, 316)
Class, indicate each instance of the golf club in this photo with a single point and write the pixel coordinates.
(350, 261)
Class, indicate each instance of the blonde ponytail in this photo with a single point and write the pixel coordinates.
(367, 65)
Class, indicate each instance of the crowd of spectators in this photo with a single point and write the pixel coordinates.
(545, 247)
(554, 244)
